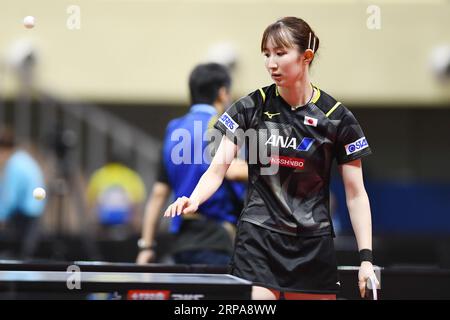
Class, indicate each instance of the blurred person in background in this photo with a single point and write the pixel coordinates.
(115, 196)
(19, 210)
(204, 237)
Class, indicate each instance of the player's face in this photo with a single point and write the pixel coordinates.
(284, 64)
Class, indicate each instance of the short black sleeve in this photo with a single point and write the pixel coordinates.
(161, 174)
(238, 118)
(232, 122)
(351, 143)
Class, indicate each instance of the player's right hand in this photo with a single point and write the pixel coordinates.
(182, 205)
(145, 256)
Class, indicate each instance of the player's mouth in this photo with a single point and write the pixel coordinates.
(276, 76)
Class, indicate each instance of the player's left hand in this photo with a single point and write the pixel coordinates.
(365, 272)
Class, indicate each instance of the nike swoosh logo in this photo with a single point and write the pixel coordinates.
(271, 115)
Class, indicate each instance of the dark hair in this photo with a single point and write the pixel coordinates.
(290, 31)
(6, 138)
(206, 80)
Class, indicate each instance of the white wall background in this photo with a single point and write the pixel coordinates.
(143, 50)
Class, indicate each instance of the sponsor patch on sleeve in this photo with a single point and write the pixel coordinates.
(228, 122)
(356, 146)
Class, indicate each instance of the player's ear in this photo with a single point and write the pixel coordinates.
(308, 55)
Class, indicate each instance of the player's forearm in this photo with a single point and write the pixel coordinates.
(208, 184)
(213, 177)
(360, 216)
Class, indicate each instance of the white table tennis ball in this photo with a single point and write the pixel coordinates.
(29, 22)
(39, 193)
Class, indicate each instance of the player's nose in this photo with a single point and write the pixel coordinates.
(271, 63)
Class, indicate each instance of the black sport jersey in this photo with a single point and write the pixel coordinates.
(302, 144)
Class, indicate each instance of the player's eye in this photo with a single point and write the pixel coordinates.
(266, 54)
(281, 53)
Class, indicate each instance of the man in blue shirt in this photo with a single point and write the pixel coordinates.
(207, 236)
(20, 174)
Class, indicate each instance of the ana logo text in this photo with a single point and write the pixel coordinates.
(287, 142)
